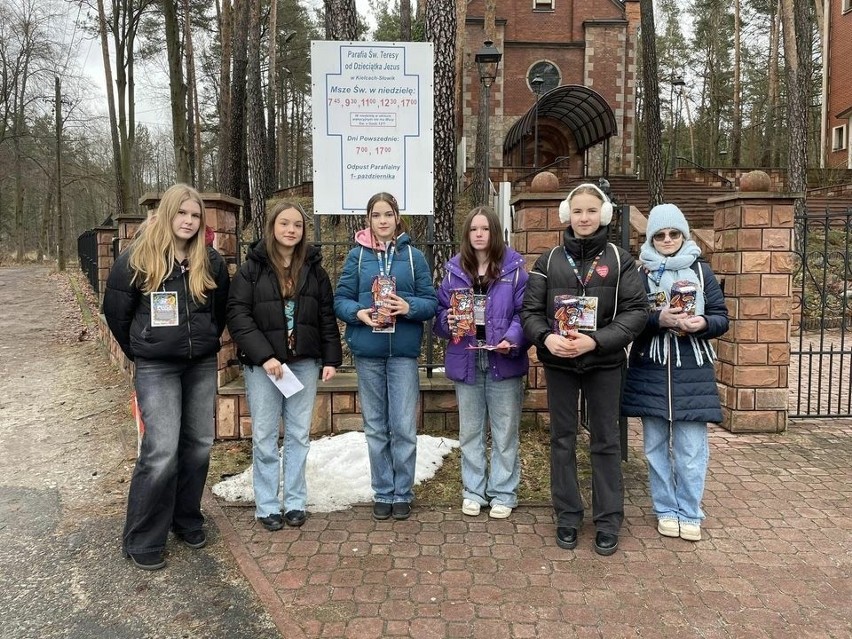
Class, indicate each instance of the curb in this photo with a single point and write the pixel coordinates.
(285, 624)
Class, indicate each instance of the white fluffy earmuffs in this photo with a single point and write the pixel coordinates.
(606, 207)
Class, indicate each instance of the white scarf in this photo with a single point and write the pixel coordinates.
(663, 272)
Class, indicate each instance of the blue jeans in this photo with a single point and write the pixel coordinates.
(497, 402)
(677, 455)
(177, 400)
(389, 388)
(267, 406)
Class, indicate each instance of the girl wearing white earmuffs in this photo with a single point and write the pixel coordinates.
(584, 303)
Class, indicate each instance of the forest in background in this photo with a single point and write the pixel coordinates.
(231, 85)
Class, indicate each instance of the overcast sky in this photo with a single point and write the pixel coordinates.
(152, 92)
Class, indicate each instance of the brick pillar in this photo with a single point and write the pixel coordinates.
(536, 229)
(754, 235)
(105, 235)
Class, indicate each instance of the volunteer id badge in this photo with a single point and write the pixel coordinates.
(164, 309)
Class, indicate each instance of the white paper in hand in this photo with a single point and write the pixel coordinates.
(289, 384)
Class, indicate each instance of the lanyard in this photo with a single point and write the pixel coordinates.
(385, 259)
(583, 282)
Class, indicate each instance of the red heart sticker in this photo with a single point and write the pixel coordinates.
(602, 270)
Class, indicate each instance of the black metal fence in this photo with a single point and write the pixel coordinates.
(87, 254)
(821, 354)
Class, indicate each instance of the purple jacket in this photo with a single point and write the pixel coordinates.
(502, 321)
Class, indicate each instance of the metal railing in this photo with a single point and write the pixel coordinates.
(87, 254)
(726, 181)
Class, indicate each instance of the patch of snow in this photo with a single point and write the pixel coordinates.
(338, 471)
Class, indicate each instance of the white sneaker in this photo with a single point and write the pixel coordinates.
(470, 507)
(690, 532)
(668, 527)
(499, 511)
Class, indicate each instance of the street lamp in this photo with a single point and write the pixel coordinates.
(487, 62)
(677, 81)
(536, 83)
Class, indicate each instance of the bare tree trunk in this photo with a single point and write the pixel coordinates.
(341, 20)
(177, 92)
(257, 165)
(231, 167)
(226, 16)
(341, 23)
(271, 97)
(770, 138)
(60, 214)
(196, 161)
(405, 20)
(737, 124)
(797, 39)
(653, 126)
(441, 31)
(120, 186)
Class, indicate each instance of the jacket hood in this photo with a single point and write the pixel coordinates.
(365, 238)
(257, 253)
(512, 261)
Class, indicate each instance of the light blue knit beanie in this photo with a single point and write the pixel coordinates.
(666, 216)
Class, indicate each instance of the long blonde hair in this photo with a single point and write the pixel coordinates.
(152, 254)
(288, 277)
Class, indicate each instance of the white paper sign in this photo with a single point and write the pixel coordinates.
(289, 384)
(373, 127)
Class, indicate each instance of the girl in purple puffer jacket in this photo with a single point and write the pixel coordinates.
(479, 303)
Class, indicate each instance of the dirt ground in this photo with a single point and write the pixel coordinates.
(67, 447)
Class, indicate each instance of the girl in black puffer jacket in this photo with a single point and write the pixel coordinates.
(583, 305)
(165, 305)
(281, 314)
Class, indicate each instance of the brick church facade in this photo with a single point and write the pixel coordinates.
(837, 85)
(584, 52)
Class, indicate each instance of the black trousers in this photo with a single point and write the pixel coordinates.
(602, 391)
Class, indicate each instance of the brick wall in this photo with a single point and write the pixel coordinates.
(839, 71)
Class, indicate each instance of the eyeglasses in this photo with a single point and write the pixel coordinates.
(662, 235)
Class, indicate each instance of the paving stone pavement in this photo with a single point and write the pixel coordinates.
(775, 559)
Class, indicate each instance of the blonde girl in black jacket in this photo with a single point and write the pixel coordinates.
(281, 312)
(165, 305)
(585, 269)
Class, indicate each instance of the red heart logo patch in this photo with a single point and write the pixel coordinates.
(602, 270)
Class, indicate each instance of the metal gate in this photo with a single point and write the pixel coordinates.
(821, 345)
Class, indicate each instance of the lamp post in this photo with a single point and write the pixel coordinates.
(536, 83)
(677, 81)
(487, 62)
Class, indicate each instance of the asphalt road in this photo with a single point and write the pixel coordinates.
(66, 453)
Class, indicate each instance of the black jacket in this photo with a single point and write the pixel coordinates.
(128, 313)
(256, 312)
(687, 392)
(616, 326)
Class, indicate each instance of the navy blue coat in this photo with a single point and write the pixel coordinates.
(685, 393)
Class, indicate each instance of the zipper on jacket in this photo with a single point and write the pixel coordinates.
(183, 272)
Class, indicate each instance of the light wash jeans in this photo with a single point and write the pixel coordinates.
(178, 403)
(267, 406)
(389, 389)
(677, 455)
(497, 402)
